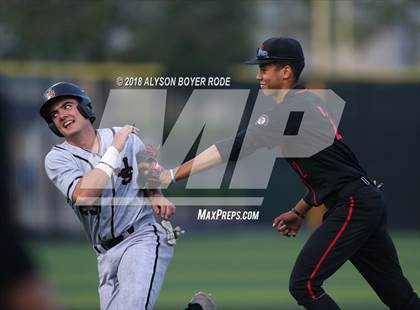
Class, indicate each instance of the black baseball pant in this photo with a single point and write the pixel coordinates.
(354, 229)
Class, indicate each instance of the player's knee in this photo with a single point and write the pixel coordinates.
(297, 289)
(304, 295)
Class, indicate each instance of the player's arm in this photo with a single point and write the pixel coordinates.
(203, 161)
(302, 207)
(219, 152)
(89, 188)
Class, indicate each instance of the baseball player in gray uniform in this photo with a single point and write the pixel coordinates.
(96, 170)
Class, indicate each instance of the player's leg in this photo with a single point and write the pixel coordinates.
(108, 282)
(345, 228)
(378, 262)
(142, 268)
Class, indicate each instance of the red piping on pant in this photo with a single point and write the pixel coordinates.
(324, 256)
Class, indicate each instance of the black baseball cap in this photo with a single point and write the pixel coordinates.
(278, 49)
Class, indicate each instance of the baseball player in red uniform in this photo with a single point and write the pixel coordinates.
(354, 226)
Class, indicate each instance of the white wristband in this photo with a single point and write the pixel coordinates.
(108, 162)
(105, 168)
(110, 157)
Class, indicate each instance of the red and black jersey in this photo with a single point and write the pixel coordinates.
(323, 173)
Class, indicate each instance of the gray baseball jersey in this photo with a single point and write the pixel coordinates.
(121, 203)
(141, 259)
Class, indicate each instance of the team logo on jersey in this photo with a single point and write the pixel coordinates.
(126, 173)
(50, 94)
(262, 120)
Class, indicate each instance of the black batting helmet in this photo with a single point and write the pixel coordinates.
(65, 89)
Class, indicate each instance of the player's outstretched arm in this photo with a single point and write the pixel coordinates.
(203, 161)
(90, 186)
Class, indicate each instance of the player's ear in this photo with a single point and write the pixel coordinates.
(287, 72)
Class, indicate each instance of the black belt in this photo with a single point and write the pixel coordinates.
(349, 189)
(110, 243)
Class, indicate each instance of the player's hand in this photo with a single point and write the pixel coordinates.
(121, 136)
(288, 223)
(162, 206)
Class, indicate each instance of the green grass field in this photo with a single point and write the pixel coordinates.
(247, 270)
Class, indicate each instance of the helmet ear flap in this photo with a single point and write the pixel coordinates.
(54, 129)
(85, 108)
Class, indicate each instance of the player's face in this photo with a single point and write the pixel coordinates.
(271, 78)
(67, 118)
